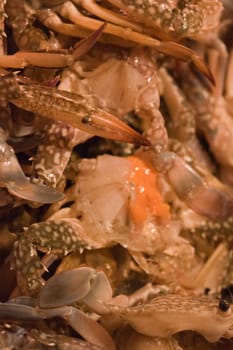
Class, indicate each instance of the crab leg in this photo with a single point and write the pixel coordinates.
(53, 154)
(22, 59)
(75, 110)
(167, 315)
(78, 320)
(211, 273)
(107, 15)
(190, 20)
(2, 26)
(204, 194)
(59, 237)
(69, 11)
(11, 311)
(14, 179)
(228, 84)
(89, 329)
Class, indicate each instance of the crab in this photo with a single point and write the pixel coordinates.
(13, 178)
(140, 86)
(33, 39)
(125, 206)
(214, 111)
(154, 317)
(90, 122)
(25, 310)
(162, 20)
(17, 337)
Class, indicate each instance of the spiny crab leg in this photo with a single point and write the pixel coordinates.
(70, 108)
(13, 178)
(69, 11)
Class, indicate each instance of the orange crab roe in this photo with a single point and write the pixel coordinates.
(146, 200)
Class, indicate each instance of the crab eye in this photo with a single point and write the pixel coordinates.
(224, 305)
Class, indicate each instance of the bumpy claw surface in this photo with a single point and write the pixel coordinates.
(188, 19)
(58, 238)
(53, 154)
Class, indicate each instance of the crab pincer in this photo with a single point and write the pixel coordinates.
(68, 107)
(13, 178)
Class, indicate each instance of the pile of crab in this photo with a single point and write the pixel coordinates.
(116, 174)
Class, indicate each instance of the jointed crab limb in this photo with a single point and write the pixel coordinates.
(78, 320)
(13, 178)
(22, 59)
(74, 109)
(94, 288)
(53, 154)
(167, 315)
(69, 11)
(190, 19)
(162, 316)
(60, 237)
(86, 327)
(107, 15)
(204, 194)
(2, 26)
(12, 311)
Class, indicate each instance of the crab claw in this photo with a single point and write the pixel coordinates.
(84, 45)
(84, 284)
(13, 178)
(88, 328)
(204, 194)
(66, 287)
(75, 110)
(106, 125)
(11, 311)
(186, 54)
(70, 286)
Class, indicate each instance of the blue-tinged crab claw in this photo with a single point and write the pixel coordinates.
(83, 283)
(204, 194)
(13, 178)
(66, 287)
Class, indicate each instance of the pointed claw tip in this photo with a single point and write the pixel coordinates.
(141, 141)
(200, 65)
